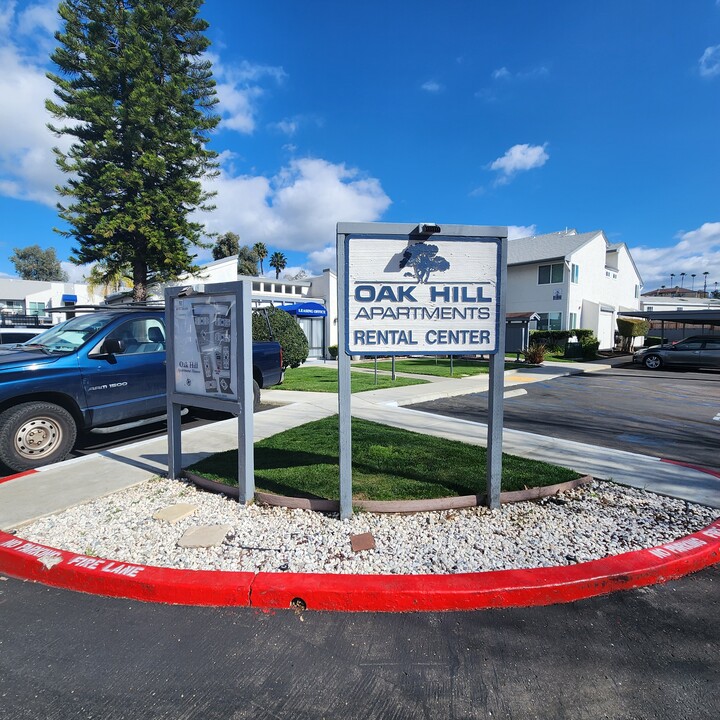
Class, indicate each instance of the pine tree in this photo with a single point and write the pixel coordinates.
(136, 95)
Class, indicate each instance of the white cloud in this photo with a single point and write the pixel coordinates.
(710, 62)
(239, 90)
(27, 166)
(298, 208)
(321, 259)
(432, 86)
(286, 127)
(519, 158)
(536, 72)
(521, 231)
(695, 251)
(501, 74)
(76, 273)
(41, 16)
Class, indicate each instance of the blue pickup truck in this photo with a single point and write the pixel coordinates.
(96, 370)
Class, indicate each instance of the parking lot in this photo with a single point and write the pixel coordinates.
(672, 414)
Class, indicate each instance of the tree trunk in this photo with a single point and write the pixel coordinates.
(139, 281)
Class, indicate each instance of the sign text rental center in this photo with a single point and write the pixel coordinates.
(422, 294)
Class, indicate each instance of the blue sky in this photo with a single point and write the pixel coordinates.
(535, 115)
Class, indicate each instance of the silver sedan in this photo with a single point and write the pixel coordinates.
(699, 351)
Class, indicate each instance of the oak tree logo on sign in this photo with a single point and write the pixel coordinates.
(423, 259)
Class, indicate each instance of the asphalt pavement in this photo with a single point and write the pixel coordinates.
(642, 654)
(671, 414)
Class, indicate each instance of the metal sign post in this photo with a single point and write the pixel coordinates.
(209, 365)
(344, 390)
(421, 290)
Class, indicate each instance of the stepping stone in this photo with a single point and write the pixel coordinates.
(363, 541)
(173, 513)
(204, 536)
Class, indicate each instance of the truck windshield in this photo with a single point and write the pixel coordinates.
(68, 336)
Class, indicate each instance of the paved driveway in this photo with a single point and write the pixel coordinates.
(668, 414)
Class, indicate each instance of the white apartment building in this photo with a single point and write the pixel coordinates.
(29, 298)
(572, 280)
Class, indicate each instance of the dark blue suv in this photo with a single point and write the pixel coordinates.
(98, 369)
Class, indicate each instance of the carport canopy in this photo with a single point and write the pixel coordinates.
(688, 317)
(709, 317)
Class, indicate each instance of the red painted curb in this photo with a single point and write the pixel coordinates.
(699, 468)
(17, 475)
(377, 593)
(30, 561)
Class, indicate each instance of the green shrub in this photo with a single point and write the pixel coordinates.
(553, 340)
(535, 354)
(589, 347)
(630, 328)
(582, 333)
(272, 323)
(333, 351)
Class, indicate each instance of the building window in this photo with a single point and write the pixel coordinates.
(550, 321)
(16, 306)
(574, 273)
(637, 291)
(36, 308)
(550, 273)
(650, 308)
(610, 274)
(573, 321)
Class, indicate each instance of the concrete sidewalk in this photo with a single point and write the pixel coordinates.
(57, 487)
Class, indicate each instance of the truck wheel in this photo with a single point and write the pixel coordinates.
(34, 434)
(256, 396)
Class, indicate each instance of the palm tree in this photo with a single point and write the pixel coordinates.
(261, 252)
(108, 280)
(279, 262)
(693, 280)
(682, 280)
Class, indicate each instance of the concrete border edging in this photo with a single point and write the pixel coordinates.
(355, 593)
(387, 506)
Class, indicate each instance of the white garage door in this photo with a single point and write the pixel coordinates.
(606, 330)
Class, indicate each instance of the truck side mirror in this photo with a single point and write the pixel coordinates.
(111, 346)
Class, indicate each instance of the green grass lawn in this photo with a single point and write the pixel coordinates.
(321, 379)
(560, 357)
(388, 464)
(440, 367)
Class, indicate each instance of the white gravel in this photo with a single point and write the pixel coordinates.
(587, 523)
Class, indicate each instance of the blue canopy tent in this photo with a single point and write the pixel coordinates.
(305, 309)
